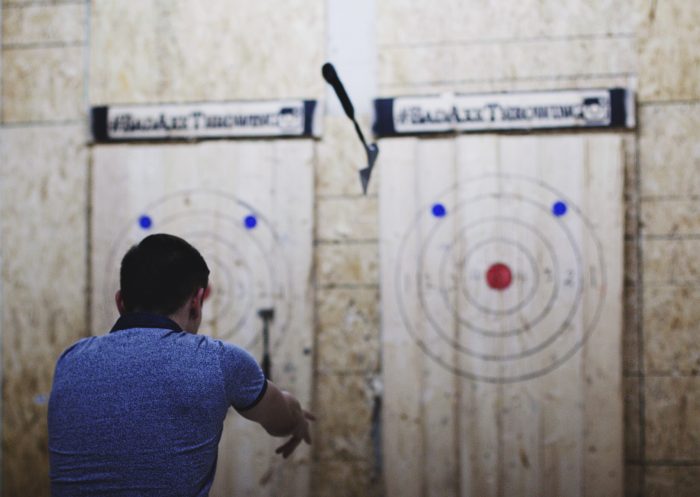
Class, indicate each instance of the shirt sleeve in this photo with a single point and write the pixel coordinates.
(244, 381)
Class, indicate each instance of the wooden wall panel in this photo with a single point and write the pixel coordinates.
(410, 21)
(43, 200)
(49, 23)
(248, 207)
(176, 50)
(42, 84)
(502, 386)
(509, 45)
(402, 433)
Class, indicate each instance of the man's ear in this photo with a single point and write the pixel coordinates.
(120, 302)
(196, 303)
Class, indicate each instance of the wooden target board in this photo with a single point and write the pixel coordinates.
(248, 207)
(501, 262)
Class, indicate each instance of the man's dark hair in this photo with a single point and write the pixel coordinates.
(160, 273)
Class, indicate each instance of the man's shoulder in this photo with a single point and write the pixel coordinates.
(159, 338)
(152, 339)
(78, 346)
(226, 351)
(137, 337)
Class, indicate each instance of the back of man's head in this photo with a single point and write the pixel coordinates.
(160, 273)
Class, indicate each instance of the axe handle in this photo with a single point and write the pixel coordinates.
(266, 366)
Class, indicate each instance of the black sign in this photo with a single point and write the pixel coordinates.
(261, 119)
(607, 108)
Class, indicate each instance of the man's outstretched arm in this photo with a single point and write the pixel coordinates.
(280, 413)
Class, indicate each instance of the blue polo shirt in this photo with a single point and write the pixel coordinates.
(139, 411)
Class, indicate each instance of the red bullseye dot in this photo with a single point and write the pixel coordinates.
(499, 276)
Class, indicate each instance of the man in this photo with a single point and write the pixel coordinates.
(139, 411)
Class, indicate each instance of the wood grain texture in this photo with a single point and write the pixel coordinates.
(403, 438)
(30, 24)
(477, 47)
(43, 199)
(206, 193)
(177, 51)
(42, 84)
(511, 391)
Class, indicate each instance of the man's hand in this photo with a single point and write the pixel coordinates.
(281, 415)
(301, 427)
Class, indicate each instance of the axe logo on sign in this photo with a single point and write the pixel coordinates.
(596, 110)
(291, 120)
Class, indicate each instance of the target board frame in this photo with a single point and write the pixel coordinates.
(501, 307)
(248, 207)
(569, 277)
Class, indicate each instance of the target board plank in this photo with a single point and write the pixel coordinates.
(402, 376)
(501, 285)
(248, 207)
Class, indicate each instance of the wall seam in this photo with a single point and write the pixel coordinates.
(2, 300)
(2, 99)
(89, 166)
(665, 103)
(314, 451)
(506, 41)
(43, 45)
(518, 79)
(39, 3)
(41, 124)
(640, 314)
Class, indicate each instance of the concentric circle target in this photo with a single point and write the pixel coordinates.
(248, 267)
(494, 287)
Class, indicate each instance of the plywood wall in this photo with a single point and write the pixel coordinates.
(174, 51)
(43, 230)
(347, 390)
(59, 57)
(50, 75)
(499, 46)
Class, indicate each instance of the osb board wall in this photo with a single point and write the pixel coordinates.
(475, 46)
(152, 54)
(43, 192)
(347, 390)
(174, 51)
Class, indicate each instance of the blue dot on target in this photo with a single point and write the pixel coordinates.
(439, 210)
(250, 222)
(145, 222)
(559, 208)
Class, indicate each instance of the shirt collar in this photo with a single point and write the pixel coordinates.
(144, 320)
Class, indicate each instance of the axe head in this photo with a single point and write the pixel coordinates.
(372, 153)
(266, 314)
